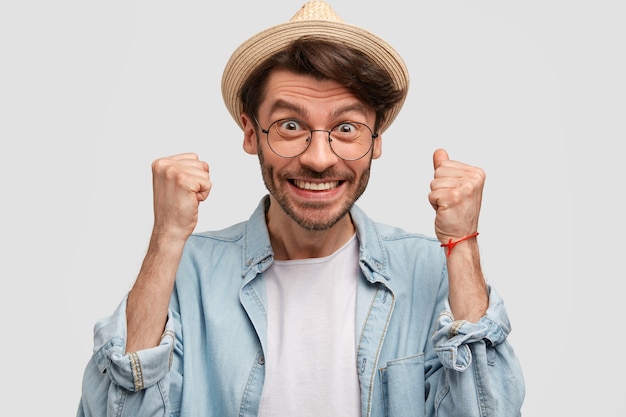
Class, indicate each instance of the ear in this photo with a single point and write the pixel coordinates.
(250, 142)
(377, 150)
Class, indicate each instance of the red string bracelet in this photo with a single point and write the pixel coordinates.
(450, 245)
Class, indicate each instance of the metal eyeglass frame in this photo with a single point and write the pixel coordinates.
(310, 138)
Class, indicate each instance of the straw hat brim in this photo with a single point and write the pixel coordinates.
(255, 50)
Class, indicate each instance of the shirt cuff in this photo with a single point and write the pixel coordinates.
(452, 337)
(132, 371)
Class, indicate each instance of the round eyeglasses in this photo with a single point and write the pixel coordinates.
(291, 137)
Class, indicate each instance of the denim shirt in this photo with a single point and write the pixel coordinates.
(412, 357)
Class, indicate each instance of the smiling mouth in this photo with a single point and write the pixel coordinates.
(315, 186)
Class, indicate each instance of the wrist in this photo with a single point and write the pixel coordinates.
(452, 243)
(164, 239)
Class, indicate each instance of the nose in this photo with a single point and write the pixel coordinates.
(318, 156)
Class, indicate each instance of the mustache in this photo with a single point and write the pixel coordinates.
(331, 173)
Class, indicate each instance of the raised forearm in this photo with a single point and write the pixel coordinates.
(148, 301)
(468, 295)
(180, 183)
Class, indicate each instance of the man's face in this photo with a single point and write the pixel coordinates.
(317, 188)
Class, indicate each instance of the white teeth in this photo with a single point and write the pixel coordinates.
(316, 186)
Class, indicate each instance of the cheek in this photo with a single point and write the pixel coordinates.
(274, 163)
(268, 165)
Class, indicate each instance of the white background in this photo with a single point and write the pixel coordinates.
(533, 92)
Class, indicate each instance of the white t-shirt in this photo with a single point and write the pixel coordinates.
(310, 363)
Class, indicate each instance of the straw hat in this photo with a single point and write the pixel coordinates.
(314, 18)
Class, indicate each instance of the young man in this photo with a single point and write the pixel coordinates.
(309, 308)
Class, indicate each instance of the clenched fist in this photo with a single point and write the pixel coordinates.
(180, 183)
(456, 196)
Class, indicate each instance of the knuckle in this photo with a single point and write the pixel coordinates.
(160, 165)
(479, 174)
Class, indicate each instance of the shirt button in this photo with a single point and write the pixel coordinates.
(261, 360)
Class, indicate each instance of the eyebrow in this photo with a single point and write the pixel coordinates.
(358, 107)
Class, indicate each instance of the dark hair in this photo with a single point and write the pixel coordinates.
(324, 59)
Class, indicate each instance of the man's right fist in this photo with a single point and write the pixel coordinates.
(180, 183)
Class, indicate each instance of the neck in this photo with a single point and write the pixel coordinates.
(292, 241)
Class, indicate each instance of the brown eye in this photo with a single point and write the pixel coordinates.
(345, 128)
(291, 125)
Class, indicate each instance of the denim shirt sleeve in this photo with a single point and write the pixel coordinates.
(452, 337)
(482, 374)
(117, 383)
